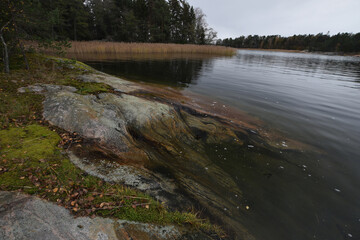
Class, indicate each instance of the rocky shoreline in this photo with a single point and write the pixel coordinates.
(156, 140)
(156, 147)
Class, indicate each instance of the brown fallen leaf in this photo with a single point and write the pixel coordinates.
(72, 203)
(74, 195)
(90, 199)
(55, 190)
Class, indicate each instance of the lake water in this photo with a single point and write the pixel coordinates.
(312, 98)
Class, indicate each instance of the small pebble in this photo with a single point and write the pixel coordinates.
(281, 167)
(247, 207)
(250, 146)
(337, 190)
(350, 235)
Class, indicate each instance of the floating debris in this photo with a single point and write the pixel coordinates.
(250, 146)
(350, 235)
(337, 190)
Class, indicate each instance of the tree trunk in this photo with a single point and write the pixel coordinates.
(6, 55)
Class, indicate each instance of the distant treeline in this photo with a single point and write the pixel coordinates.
(160, 21)
(341, 42)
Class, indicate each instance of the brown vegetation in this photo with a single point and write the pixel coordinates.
(141, 48)
(83, 49)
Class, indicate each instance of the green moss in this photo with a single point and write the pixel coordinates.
(31, 161)
(83, 66)
(85, 88)
(33, 142)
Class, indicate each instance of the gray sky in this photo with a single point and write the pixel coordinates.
(233, 18)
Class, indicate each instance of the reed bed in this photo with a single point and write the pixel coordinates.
(117, 48)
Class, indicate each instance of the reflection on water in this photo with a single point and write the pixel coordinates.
(173, 72)
(311, 98)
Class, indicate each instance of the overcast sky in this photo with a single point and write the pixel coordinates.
(233, 18)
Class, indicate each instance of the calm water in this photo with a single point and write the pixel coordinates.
(312, 98)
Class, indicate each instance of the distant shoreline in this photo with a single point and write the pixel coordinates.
(303, 51)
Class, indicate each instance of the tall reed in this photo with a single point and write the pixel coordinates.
(115, 48)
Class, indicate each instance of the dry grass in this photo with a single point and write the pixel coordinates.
(99, 47)
(113, 50)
